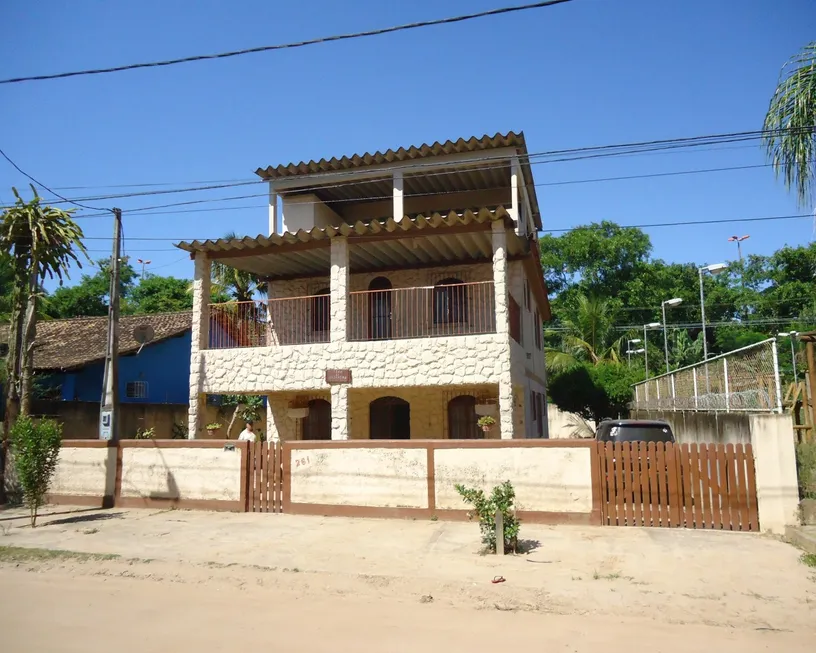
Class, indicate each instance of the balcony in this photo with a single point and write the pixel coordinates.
(444, 310)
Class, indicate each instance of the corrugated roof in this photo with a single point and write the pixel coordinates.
(411, 153)
(72, 343)
(374, 228)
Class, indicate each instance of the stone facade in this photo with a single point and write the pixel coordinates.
(422, 370)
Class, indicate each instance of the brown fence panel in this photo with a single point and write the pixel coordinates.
(668, 485)
(264, 477)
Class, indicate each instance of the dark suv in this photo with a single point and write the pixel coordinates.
(634, 430)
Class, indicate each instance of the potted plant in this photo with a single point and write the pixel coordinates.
(486, 422)
(212, 428)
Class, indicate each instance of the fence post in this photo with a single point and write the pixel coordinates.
(694, 370)
(674, 396)
(499, 532)
(727, 396)
(776, 376)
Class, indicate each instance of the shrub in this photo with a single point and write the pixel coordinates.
(35, 447)
(145, 434)
(806, 466)
(502, 498)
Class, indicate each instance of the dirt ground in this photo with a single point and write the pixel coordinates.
(311, 583)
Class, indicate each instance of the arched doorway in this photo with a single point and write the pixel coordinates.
(462, 419)
(389, 418)
(317, 424)
(380, 308)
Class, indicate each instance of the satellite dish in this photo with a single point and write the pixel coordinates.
(143, 334)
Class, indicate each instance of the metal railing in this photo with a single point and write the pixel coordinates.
(422, 312)
(285, 321)
(746, 379)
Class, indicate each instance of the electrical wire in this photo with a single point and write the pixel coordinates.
(288, 46)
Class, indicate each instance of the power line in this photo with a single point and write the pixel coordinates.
(39, 183)
(288, 46)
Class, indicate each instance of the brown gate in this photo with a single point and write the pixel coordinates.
(676, 486)
(264, 476)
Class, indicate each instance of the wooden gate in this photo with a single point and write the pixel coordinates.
(264, 477)
(678, 486)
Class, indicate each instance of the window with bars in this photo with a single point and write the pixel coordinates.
(537, 325)
(136, 390)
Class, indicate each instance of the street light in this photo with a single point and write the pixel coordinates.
(143, 262)
(792, 335)
(629, 343)
(675, 301)
(738, 240)
(713, 269)
(651, 325)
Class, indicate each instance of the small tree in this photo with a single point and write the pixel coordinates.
(35, 448)
(502, 498)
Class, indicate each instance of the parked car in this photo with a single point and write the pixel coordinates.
(634, 430)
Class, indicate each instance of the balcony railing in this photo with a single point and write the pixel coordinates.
(424, 312)
(286, 321)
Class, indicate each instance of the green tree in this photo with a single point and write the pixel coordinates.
(90, 297)
(594, 392)
(35, 447)
(156, 294)
(588, 334)
(791, 141)
(239, 285)
(41, 241)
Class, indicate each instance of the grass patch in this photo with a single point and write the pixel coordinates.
(809, 559)
(24, 554)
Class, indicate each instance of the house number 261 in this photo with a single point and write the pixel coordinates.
(302, 462)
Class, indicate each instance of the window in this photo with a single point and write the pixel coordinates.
(320, 310)
(515, 320)
(136, 390)
(450, 302)
(462, 419)
(537, 325)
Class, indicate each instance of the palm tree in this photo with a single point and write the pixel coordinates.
(588, 335)
(240, 285)
(41, 241)
(791, 141)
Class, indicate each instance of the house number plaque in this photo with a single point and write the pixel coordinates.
(338, 376)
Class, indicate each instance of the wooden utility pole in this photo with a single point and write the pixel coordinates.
(108, 418)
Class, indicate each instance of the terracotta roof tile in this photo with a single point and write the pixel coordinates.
(72, 343)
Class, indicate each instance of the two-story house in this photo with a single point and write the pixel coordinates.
(405, 298)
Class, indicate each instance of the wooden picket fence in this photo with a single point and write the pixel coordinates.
(678, 486)
(264, 477)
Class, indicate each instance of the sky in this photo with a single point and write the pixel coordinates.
(584, 73)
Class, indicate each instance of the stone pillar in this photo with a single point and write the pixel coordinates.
(272, 433)
(500, 277)
(339, 281)
(340, 412)
(506, 422)
(200, 342)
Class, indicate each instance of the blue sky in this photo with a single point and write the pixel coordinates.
(589, 72)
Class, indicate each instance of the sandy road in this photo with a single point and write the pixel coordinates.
(57, 610)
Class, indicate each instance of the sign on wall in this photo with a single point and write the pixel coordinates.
(338, 376)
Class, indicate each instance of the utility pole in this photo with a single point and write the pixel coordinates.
(108, 418)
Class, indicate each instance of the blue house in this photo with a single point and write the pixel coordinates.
(69, 358)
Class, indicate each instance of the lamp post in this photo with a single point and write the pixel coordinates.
(792, 335)
(675, 301)
(629, 351)
(651, 325)
(144, 262)
(738, 240)
(714, 268)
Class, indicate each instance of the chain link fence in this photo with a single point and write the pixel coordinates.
(745, 379)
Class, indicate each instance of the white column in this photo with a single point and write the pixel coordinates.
(339, 280)
(506, 422)
(500, 277)
(340, 412)
(272, 433)
(273, 210)
(200, 342)
(515, 210)
(399, 210)
(772, 440)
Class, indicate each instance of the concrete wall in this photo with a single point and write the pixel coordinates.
(190, 474)
(545, 479)
(563, 424)
(307, 212)
(554, 482)
(703, 426)
(371, 477)
(87, 471)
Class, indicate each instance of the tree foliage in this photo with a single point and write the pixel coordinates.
(35, 447)
(791, 138)
(501, 499)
